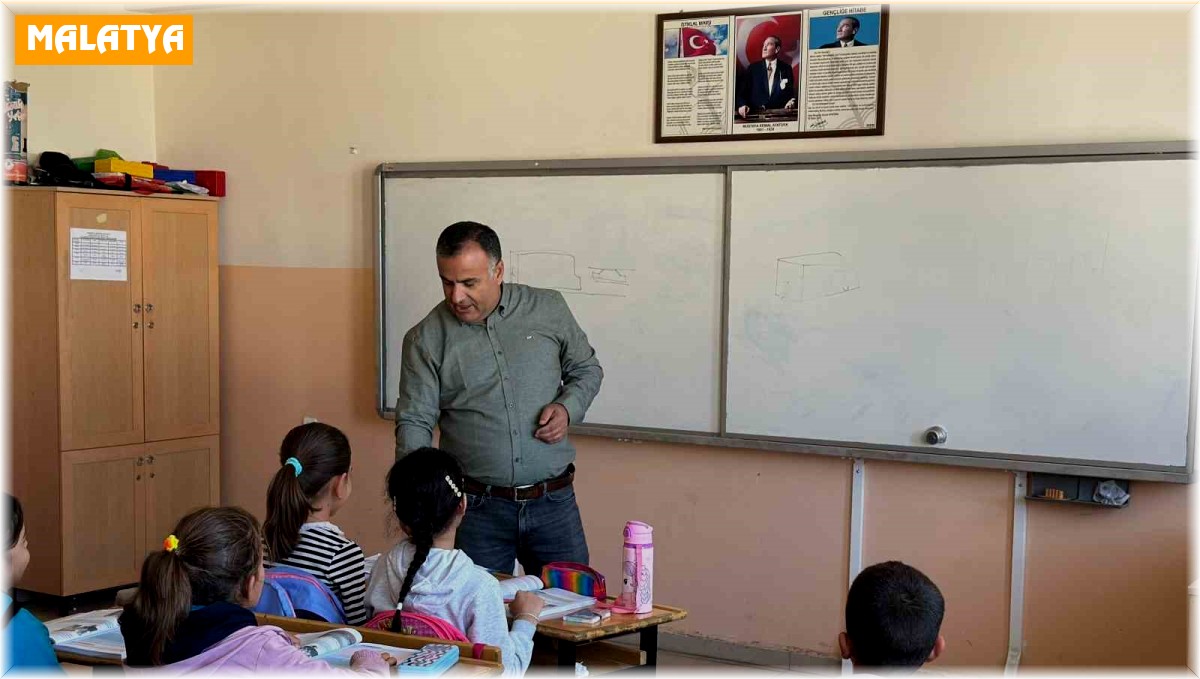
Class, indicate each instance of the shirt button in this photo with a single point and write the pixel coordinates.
(517, 460)
(514, 431)
(499, 351)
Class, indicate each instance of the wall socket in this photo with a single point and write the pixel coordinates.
(308, 419)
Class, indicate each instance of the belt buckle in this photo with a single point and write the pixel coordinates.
(517, 491)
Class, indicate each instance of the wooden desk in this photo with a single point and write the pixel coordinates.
(487, 666)
(570, 637)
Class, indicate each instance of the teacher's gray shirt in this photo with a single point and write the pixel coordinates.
(484, 385)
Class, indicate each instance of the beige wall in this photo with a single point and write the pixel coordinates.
(281, 115)
(76, 110)
(276, 100)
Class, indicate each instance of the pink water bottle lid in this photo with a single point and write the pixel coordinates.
(638, 533)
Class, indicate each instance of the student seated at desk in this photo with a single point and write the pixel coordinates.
(424, 573)
(26, 642)
(311, 485)
(191, 612)
(893, 618)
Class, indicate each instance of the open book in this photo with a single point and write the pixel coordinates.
(559, 602)
(95, 634)
(336, 646)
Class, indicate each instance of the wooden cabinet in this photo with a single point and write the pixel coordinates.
(179, 283)
(116, 410)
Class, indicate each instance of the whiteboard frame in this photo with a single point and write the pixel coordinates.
(998, 155)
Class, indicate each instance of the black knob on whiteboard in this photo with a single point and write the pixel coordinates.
(935, 435)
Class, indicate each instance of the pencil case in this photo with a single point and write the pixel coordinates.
(575, 577)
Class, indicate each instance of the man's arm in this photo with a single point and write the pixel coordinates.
(581, 371)
(420, 392)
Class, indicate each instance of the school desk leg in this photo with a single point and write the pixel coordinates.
(566, 655)
(650, 645)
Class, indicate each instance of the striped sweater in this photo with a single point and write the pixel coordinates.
(336, 561)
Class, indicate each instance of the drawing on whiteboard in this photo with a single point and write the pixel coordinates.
(556, 270)
(812, 276)
(609, 276)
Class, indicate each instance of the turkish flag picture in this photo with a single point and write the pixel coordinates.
(706, 41)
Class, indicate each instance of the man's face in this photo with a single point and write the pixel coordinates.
(846, 30)
(472, 292)
(769, 50)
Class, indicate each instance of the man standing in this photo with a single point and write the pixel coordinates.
(502, 369)
(847, 28)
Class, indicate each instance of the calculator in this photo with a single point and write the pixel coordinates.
(430, 661)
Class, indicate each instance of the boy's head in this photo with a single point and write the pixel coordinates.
(893, 615)
(18, 548)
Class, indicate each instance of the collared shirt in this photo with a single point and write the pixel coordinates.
(484, 384)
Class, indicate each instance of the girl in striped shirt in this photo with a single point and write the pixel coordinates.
(312, 483)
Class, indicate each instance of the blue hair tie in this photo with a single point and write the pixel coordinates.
(295, 465)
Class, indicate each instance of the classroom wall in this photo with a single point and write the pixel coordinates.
(1103, 587)
(79, 109)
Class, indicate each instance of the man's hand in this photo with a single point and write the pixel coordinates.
(552, 423)
(791, 104)
(742, 111)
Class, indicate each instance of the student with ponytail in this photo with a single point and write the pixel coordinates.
(192, 609)
(311, 485)
(424, 573)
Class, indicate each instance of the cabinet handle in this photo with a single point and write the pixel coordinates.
(149, 308)
(141, 461)
(138, 478)
(135, 325)
(150, 324)
(150, 459)
(151, 474)
(137, 308)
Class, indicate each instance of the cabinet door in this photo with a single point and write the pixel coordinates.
(184, 475)
(99, 327)
(103, 517)
(179, 279)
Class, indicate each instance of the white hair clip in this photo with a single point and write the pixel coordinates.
(457, 492)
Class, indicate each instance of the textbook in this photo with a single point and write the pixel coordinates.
(559, 602)
(336, 646)
(95, 634)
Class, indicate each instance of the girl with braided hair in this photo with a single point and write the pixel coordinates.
(425, 574)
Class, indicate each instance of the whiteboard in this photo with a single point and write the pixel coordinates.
(638, 257)
(1040, 310)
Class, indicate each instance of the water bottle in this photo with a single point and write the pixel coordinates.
(637, 593)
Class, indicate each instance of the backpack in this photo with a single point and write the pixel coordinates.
(294, 593)
(418, 625)
(421, 625)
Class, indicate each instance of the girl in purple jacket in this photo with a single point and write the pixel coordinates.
(192, 610)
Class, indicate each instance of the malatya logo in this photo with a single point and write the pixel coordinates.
(103, 40)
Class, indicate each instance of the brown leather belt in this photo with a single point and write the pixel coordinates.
(531, 492)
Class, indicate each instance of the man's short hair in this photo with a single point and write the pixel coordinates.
(854, 20)
(893, 616)
(458, 234)
(778, 42)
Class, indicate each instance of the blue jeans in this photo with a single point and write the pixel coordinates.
(495, 532)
